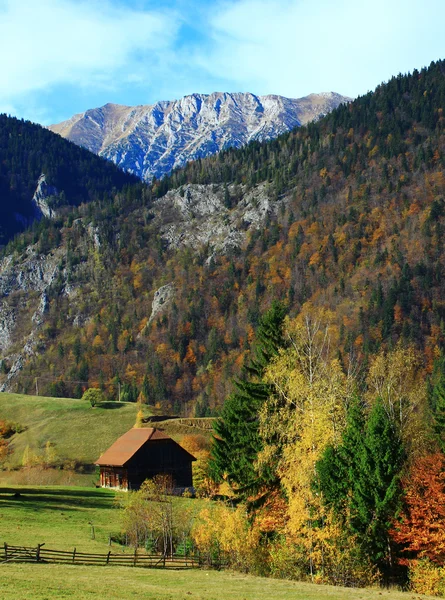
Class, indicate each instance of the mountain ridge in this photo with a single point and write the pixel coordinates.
(152, 140)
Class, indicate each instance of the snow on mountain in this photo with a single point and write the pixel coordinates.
(151, 140)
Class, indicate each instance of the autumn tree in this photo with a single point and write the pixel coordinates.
(420, 528)
(4, 450)
(305, 414)
(397, 379)
(150, 517)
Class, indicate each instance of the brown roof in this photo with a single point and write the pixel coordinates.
(128, 444)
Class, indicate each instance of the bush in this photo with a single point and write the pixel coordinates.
(427, 578)
(93, 396)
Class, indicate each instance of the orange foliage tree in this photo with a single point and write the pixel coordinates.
(421, 527)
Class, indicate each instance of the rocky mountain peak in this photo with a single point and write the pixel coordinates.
(151, 140)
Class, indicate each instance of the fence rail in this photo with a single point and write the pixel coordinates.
(45, 555)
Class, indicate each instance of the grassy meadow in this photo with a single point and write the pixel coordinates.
(46, 582)
(61, 518)
(77, 433)
(75, 430)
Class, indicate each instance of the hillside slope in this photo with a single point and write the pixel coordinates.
(162, 292)
(72, 175)
(152, 140)
(76, 432)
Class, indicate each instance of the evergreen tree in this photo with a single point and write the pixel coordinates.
(437, 401)
(236, 441)
(360, 480)
(376, 488)
(336, 470)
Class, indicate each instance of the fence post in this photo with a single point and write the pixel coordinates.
(6, 551)
(135, 556)
(38, 552)
(74, 555)
(108, 557)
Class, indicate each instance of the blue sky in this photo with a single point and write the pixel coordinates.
(61, 57)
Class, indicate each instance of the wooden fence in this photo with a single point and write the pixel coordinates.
(137, 559)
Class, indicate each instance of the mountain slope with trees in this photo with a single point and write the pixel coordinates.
(346, 213)
(26, 151)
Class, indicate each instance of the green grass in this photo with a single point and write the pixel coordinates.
(46, 582)
(58, 517)
(77, 432)
(61, 517)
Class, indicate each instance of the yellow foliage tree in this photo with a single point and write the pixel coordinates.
(305, 415)
(397, 378)
(223, 533)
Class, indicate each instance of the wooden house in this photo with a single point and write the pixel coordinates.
(142, 454)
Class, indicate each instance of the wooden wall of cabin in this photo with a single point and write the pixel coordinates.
(114, 477)
(160, 457)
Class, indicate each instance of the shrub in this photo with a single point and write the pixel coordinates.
(93, 396)
(427, 578)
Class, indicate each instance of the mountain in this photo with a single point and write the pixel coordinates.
(152, 140)
(42, 174)
(158, 290)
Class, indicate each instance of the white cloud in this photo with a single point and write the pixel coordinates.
(294, 47)
(51, 42)
(58, 57)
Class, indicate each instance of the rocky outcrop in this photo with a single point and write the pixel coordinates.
(33, 272)
(7, 324)
(162, 299)
(198, 216)
(24, 282)
(151, 140)
(40, 198)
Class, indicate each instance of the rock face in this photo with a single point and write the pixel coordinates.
(40, 198)
(162, 298)
(151, 140)
(197, 216)
(24, 284)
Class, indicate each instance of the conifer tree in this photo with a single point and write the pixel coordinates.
(376, 489)
(336, 470)
(360, 480)
(237, 441)
(437, 402)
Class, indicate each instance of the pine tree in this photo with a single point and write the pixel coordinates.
(360, 480)
(237, 441)
(376, 487)
(337, 469)
(437, 402)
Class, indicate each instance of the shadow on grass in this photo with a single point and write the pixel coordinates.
(111, 405)
(42, 499)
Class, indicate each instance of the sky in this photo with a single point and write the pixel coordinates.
(62, 57)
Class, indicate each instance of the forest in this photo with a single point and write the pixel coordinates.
(327, 474)
(359, 230)
(26, 151)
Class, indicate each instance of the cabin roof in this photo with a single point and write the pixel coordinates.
(128, 444)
